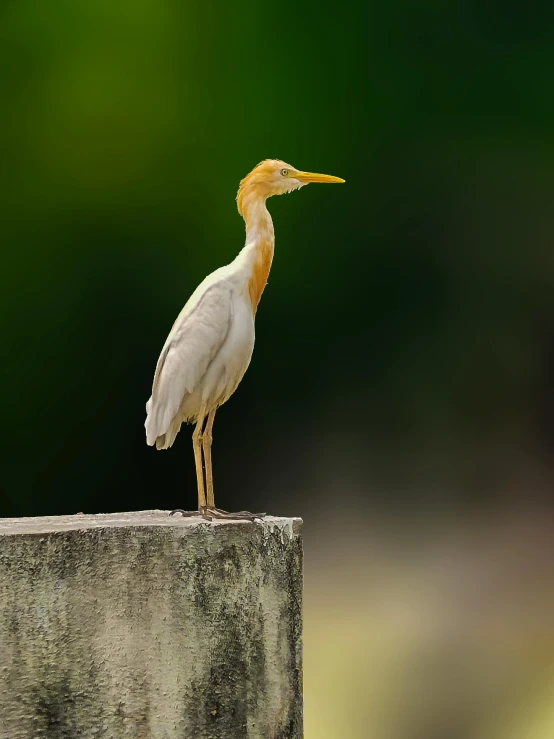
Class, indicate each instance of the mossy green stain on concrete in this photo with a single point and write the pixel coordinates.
(144, 626)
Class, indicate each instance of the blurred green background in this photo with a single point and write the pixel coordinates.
(401, 394)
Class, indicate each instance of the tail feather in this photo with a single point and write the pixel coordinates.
(164, 441)
(150, 425)
(162, 438)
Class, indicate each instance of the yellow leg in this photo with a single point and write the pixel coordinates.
(202, 444)
(197, 446)
(207, 449)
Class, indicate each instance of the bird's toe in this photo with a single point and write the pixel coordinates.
(226, 516)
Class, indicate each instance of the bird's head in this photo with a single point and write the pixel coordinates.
(274, 177)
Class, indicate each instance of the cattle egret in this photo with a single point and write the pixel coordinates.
(210, 344)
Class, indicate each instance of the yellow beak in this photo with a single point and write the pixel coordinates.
(313, 177)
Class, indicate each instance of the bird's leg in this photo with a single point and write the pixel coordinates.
(202, 443)
(197, 447)
(207, 449)
(210, 510)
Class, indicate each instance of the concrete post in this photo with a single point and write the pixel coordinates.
(146, 626)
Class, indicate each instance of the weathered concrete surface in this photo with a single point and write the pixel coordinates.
(152, 627)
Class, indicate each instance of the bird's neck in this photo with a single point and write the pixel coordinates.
(260, 242)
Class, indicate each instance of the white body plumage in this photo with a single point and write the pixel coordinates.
(206, 353)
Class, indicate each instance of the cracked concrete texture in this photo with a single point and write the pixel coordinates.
(145, 626)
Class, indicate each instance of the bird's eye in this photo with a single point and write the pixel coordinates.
(284, 172)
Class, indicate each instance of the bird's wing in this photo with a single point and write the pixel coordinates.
(195, 339)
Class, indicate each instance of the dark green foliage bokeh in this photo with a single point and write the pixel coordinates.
(405, 342)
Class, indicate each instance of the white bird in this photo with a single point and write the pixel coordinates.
(210, 345)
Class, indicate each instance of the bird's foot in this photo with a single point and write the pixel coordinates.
(209, 512)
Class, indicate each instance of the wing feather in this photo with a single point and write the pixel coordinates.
(195, 339)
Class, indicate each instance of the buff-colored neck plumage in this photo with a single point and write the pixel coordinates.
(260, 237)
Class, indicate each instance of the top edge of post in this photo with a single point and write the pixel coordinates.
(130, 519)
